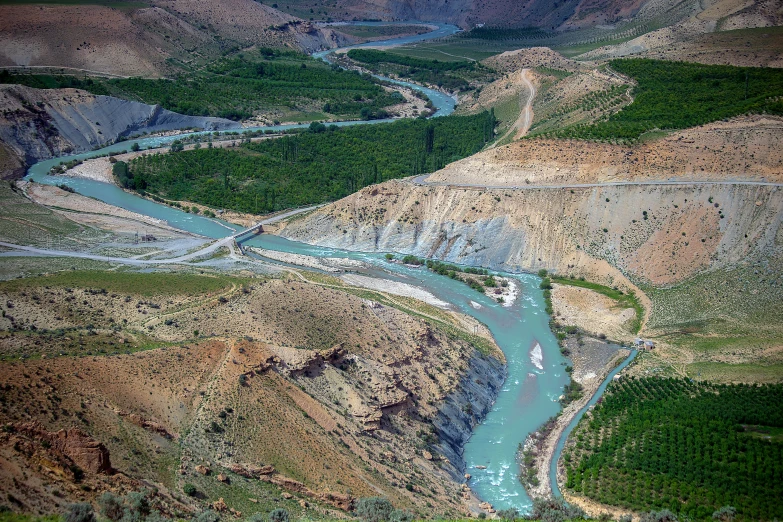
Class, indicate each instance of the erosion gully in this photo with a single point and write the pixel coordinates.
(536, 370)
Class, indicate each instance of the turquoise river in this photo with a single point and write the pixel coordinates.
(536, 370)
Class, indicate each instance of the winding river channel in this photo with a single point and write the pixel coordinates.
(536, 370)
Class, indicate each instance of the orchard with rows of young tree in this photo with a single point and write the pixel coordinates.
(690, 447)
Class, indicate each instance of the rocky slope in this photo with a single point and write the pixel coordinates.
(302, 396)
(656, 234)
(745, 148)
(42, 123)
(529, 13)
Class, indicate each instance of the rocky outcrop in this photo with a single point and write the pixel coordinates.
(466, 407)
(269, 474)
(251, 471)
(93, 121)
(338, 500)
(44, 123)
(152, 426)
(87, 453)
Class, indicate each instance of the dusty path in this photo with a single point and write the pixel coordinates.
(526, 116)
(24, 68)
(525, 119)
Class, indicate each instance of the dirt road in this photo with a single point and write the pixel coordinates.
(525, 119)
(422, 180)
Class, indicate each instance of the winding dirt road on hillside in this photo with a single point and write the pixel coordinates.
(525, 119)
(526, 116)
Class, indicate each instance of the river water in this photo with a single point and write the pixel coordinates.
(536, 370)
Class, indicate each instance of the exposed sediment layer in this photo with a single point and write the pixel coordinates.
(45, 123)
(656, 233)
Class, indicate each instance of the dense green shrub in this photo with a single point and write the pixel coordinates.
(206, 516)
(111, 506)
(399, 515)
(553, 510)
(725, 514)
(79, 512)
(663, 515)
(278, 515)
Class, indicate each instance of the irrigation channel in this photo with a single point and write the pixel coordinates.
(536, 369)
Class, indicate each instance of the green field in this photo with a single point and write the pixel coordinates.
(723, 318)
(311, 167)
(238, 87)
(381, 31)
(25, 223)
(689, 447)
(677, 95)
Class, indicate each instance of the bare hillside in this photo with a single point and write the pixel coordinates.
(567, 14)
(728, 32)
(43, 123)
(149, 41)
(746, 148)
(301, 396)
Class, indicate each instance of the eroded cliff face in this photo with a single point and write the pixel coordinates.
(478, 387)
(44, 123)
(657, 234)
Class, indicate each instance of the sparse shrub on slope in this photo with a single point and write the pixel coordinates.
(399, 515)
(278, 515)
(554, 510)
(374, 509)
(111, 506)
(79, 512)
(206, 516)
